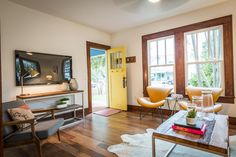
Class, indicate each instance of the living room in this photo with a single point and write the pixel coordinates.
(73, 28)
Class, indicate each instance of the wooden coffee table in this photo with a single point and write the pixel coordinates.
(214, 141)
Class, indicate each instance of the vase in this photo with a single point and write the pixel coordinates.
(64, 86)
(73, 84)
(207, 102)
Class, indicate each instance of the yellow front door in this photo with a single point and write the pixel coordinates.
(117, 78)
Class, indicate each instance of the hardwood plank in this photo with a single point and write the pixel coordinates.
(91, 137)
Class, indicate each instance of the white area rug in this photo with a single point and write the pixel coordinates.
(140, 145)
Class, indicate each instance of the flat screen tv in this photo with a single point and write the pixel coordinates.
(50, 68)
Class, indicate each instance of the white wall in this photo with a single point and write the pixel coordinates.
(26, 29)
(132, 40)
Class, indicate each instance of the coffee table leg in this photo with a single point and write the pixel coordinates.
(170, 150)
(153, 147)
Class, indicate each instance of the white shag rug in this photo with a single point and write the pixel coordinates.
(140, 145)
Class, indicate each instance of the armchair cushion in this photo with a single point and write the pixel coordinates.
(217, 107)
(158, 93)
(42, 129)
(145, 102)
(197, 91)
(6, 117)
(21, 113)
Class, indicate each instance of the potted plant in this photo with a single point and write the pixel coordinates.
(191, 117)
(65, 100)
(61, 104)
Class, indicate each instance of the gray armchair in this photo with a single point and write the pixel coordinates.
(34, 134)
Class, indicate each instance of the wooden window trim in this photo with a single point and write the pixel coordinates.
(226, 22)
(88, 46)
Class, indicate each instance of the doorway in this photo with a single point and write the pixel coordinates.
(97, 76)
(98, 65)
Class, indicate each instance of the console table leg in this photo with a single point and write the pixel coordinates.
(83, 105)
(153, 147)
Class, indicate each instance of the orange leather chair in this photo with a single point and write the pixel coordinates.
(156, 99)
(197, 91)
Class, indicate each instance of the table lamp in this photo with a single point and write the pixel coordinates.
(32, 73)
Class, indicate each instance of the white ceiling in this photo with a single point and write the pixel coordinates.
(115, 15)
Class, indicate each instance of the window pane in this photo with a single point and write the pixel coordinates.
(205, 45)
(202, 39)
(205, 75)
(161, 52)
(153, 52)
(191, 47)
(215, 42)
(162, 76)
(170, 51)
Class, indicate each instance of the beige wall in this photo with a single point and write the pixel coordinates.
(132, 40)
(26, 29)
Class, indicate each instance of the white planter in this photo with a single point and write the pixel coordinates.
(61, 106)
(191, 121)
(67, 102)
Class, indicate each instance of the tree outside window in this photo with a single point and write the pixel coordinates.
(204, 57)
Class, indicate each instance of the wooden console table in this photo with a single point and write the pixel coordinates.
(73, 107)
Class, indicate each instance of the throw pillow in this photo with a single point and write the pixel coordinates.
(21, 113)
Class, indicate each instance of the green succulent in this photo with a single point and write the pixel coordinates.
(192, 113)
(64, 99)
(61, 103)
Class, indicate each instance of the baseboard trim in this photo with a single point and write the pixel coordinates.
(167, 112)
(134, 108)
(232, 120)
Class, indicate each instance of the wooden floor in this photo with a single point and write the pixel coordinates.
(91, 137)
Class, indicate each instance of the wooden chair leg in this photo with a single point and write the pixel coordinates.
(161, 114)
(58, 135)
(39, 148)
(140, 114)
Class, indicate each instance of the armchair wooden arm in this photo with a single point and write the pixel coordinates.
(10, 123)
(51, 110)
(30, 121)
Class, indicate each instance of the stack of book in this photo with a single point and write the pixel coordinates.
(199, 128)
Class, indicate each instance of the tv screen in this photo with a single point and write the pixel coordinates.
(40, 69)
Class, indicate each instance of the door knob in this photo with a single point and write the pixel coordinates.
(124, 82)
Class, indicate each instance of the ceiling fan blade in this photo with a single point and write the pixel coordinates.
(142, 6)
(123, 2)
(170, 4)
(138, 6)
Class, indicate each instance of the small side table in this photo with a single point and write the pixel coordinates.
(175, 98)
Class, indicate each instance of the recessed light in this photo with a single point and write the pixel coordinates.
(154, 1)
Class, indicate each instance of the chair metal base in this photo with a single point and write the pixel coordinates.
(152, 110)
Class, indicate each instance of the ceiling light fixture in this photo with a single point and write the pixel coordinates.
(154, 1)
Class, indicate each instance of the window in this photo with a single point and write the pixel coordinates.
(161, 61)
(199, 55)
(67, 69)
(204, 57)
